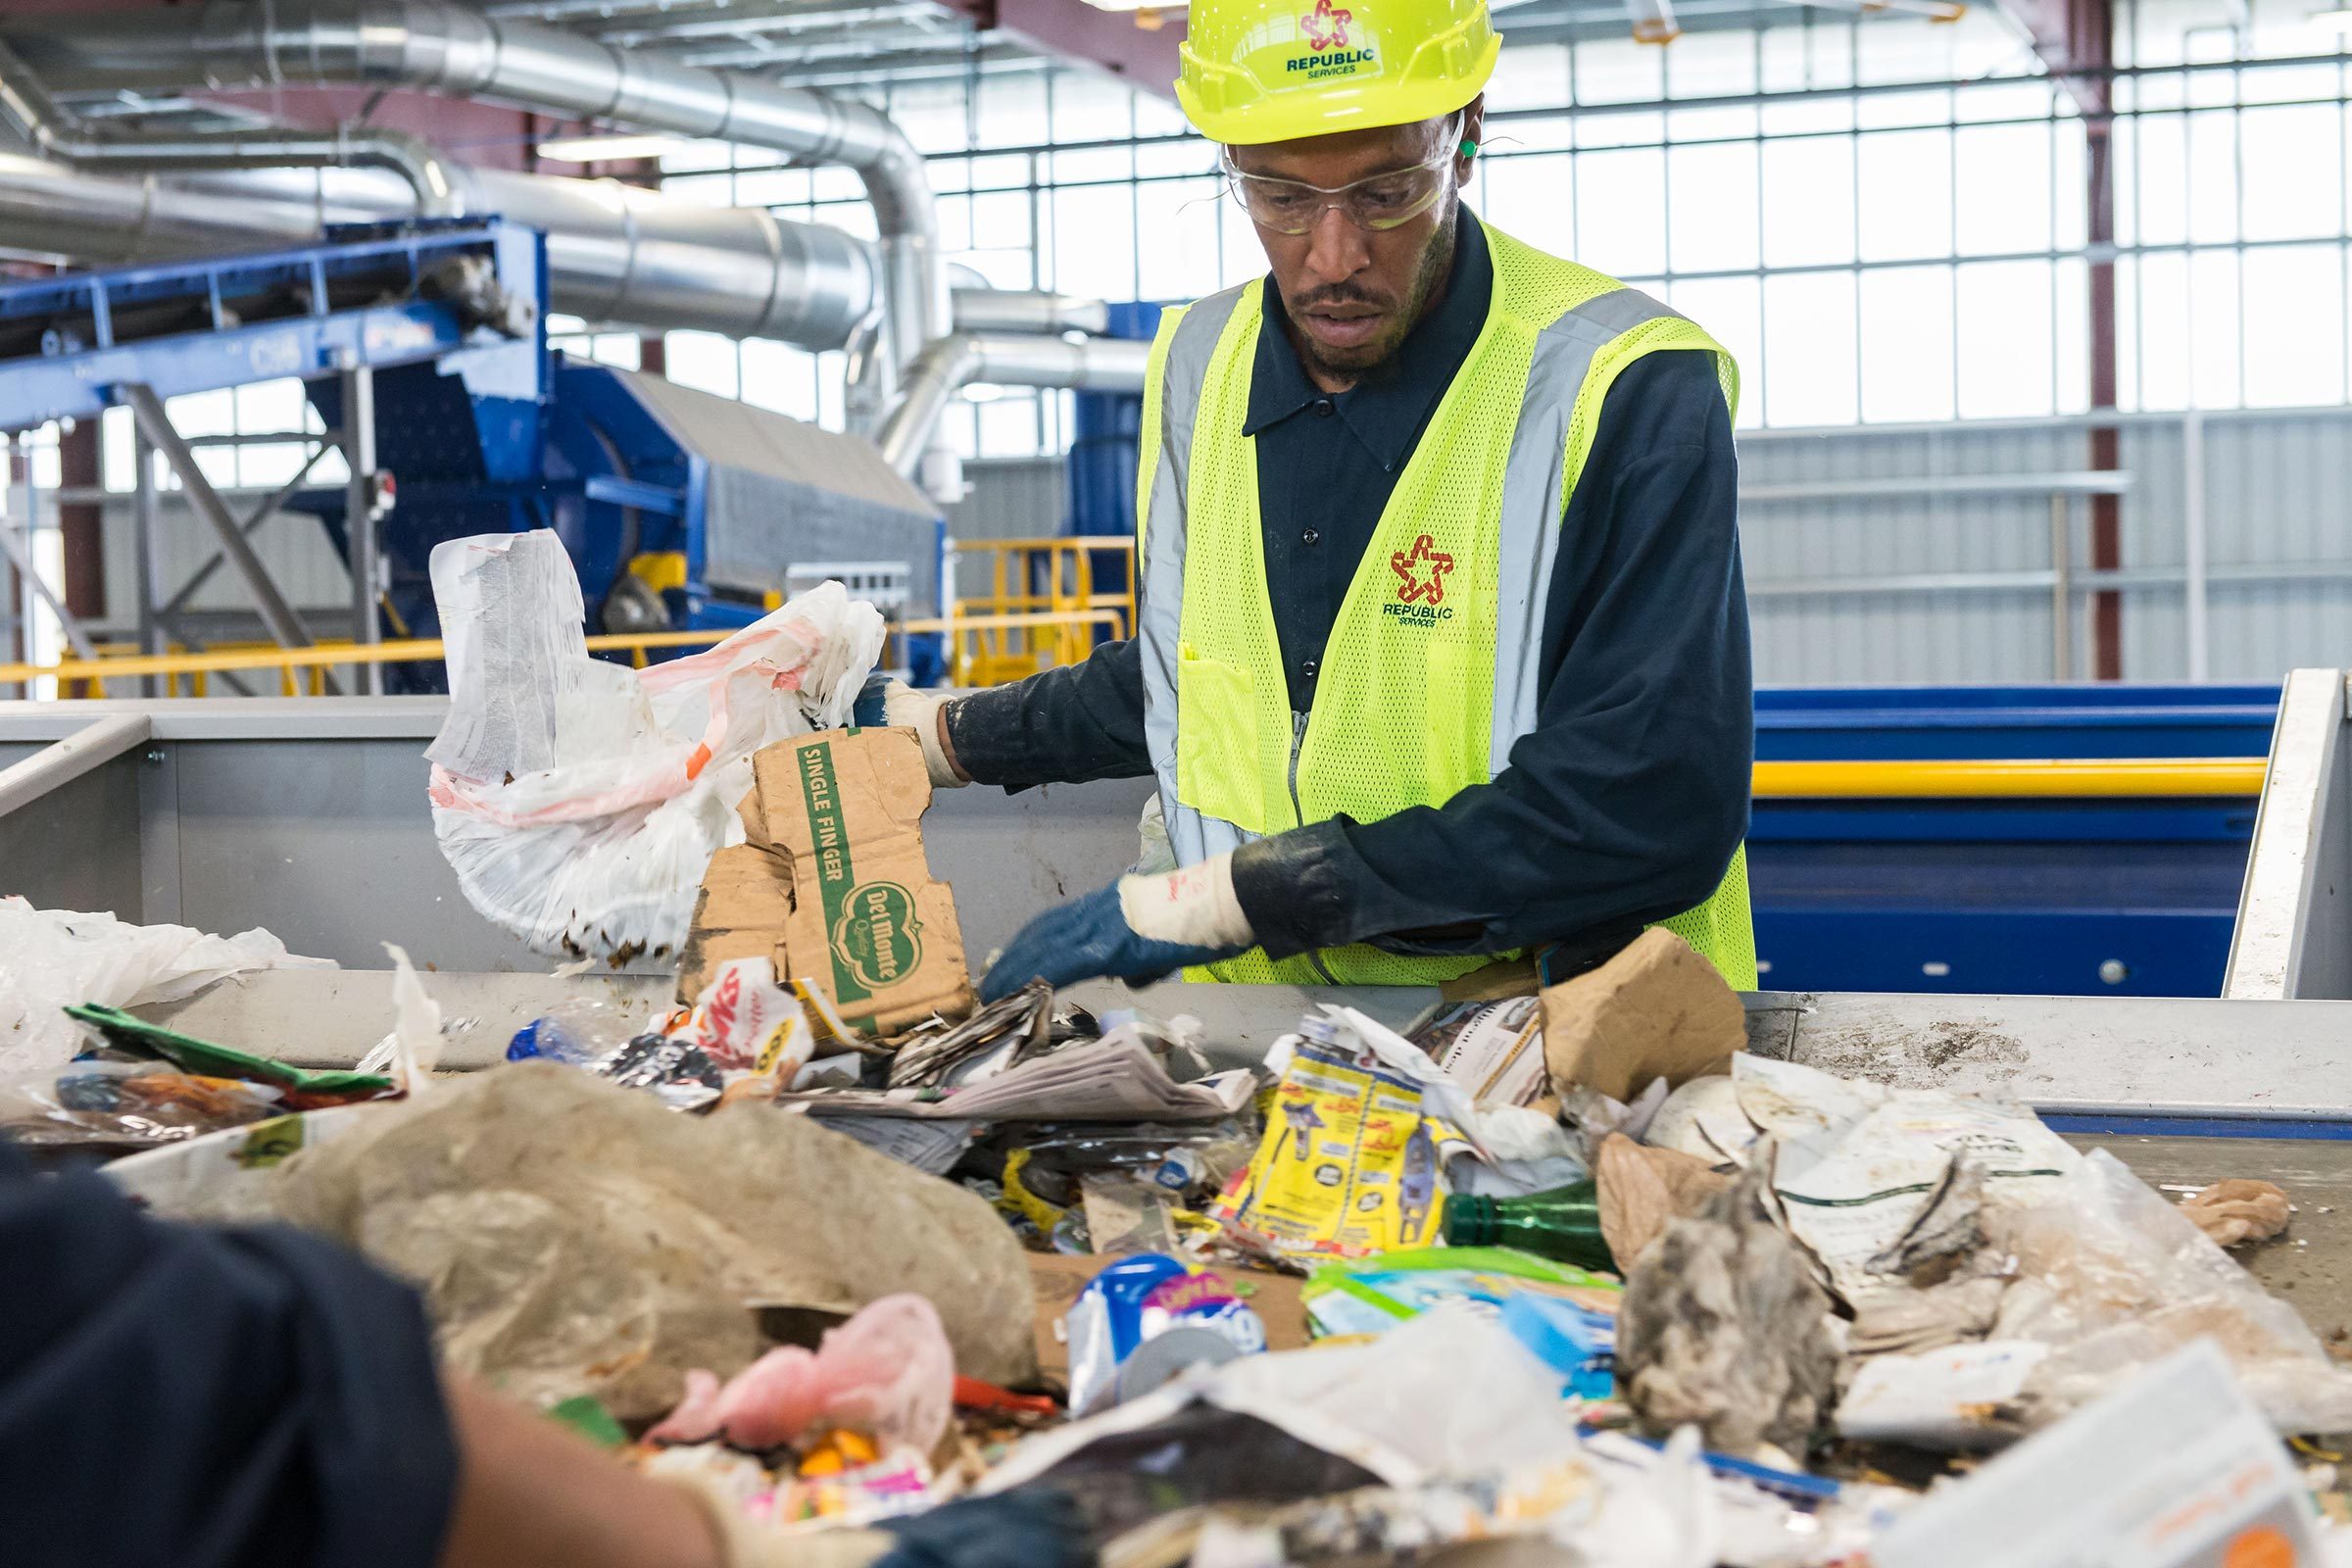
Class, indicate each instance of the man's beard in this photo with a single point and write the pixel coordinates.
(1376, 360)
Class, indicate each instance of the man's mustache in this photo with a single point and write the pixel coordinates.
(1338, 294)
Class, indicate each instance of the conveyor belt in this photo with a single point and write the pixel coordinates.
(2310, 1267)
(2183, 1092)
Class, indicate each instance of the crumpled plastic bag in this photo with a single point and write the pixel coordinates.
(574, 1237)
(887, 1373)
(580, 802)
(2113, 1279)
(56, 958)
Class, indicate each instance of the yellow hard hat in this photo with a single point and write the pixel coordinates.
(1260, 71)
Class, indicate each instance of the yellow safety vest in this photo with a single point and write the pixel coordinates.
(1431, 673)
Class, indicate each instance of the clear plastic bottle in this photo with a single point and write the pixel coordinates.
(582, 1032)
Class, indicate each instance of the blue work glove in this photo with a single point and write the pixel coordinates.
(1139, 929)
(886, 700)
(1034, 1529)
(872, 710)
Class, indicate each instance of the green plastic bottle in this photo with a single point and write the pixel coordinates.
(1563, 1224)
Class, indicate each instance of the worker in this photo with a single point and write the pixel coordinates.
(1442, 645)
(219, 1398)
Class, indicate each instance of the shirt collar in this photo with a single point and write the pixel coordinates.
(1386, 414)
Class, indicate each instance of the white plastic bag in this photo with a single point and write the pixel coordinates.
(2113, 1279)
(52, 959)
(579, 801)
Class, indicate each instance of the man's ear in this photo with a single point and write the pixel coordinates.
(1473, 137)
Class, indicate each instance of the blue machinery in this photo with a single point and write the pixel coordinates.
(2127, 895)
(680, 509)
(686, 510)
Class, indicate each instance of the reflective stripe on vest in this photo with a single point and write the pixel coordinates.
(1431, 671)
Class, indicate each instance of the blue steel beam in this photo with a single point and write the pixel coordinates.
(67, 344)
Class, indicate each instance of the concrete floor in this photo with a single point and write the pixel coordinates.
(2310, 1266)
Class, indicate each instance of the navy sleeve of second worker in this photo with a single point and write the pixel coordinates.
(1626, 803)
(175, 1393)
(1070, 724)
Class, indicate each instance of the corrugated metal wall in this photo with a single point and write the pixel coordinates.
(1012, 497)
(1907, 588)
(294, 547)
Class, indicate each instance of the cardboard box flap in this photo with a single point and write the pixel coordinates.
(745, 886)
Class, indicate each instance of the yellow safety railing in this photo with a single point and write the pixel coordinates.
(301, 670)
(1067, 576)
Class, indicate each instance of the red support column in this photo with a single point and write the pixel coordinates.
(2078, 38)
(2106, 511)
(78, 521)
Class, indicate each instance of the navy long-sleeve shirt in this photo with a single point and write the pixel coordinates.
(1625, 803)
(196, 1396)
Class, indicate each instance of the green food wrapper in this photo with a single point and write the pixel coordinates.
(154, 1042)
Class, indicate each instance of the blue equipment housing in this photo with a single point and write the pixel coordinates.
(628, 469)
(2126, 897)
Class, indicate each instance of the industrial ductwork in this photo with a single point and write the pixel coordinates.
(615, 253)
(435, 46)
(26, 108)
(1011, 310)
(1088, 365)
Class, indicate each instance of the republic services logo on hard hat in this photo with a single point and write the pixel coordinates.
(1326, 30)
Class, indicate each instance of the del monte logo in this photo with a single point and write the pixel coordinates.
(877, 935)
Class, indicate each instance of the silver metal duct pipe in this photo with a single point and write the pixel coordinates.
(623, 254)
(978, 308)
(615, 253)
(1091, 364)
(51, 209)
(437, 46)
(996, 309)
(51, 132)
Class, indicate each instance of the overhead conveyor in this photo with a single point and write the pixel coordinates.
(462, 297)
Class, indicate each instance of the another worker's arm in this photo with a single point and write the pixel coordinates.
(183, 1395)
(1626, 803)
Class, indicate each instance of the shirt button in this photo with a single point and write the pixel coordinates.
(1322, 408)
(1310, 537)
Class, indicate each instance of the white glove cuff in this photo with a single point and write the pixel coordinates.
(1194, 905)
(920, 712)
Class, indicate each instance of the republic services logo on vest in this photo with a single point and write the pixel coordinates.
(1329, 52)
(1420, 584)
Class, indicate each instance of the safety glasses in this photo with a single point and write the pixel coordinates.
(1377, 202)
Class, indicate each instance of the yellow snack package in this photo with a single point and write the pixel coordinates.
(1353, 1156)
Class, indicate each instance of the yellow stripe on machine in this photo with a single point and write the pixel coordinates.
(1996, 779)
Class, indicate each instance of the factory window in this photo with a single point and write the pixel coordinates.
(1884, 219)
